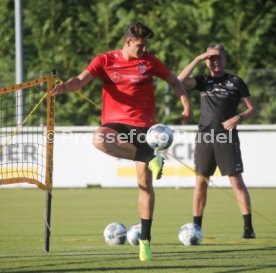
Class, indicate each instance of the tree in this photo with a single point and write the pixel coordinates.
(66, 35)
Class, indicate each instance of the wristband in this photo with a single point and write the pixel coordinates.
(241, 118)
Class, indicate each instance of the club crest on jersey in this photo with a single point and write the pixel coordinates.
(115, 76)
(229, 84)
(142, 67)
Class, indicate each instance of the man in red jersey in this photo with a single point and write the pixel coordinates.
(128, 108)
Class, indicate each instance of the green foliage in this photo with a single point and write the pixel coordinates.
(66, 35)
(7, 45)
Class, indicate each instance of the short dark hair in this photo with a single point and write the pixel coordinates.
(138, 31)
(220, 47)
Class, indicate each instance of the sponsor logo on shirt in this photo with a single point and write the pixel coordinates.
(220, 89)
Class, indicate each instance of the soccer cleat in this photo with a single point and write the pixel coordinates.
(156, 166)
(145, 251)
(248, 234)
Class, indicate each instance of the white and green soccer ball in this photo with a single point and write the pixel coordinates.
(159, 137)
(133, 234)
(190, 234)
(115, 234)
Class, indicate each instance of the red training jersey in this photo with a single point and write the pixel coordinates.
(128, 88)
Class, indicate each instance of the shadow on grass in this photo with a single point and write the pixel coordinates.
(219, 269)
(192, 249)
(80, 260)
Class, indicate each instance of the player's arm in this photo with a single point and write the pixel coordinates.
(73, 84)
(185, 78)
(182, 94)
(250, 111)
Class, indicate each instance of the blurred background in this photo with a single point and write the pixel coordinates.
(66, 35)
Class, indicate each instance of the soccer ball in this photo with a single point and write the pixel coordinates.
(159, 137)
(190, 234)
(133, 234)
(115, 234)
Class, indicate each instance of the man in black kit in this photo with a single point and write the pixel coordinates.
(220, 95)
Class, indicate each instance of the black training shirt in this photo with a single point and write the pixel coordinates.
(219, 98)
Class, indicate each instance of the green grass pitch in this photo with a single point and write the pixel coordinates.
(79, 217)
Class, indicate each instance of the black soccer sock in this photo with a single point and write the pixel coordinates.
(145, 229)
(198, 220)
(247, 218)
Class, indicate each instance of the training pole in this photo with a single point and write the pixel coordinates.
(19, 60)
(49, 160)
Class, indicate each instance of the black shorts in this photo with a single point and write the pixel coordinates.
(224, 154)
(136, 136)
